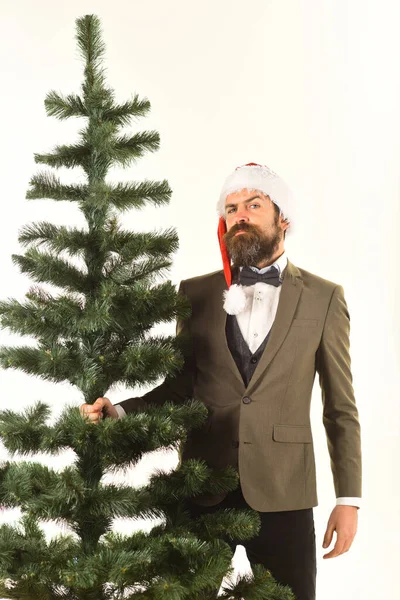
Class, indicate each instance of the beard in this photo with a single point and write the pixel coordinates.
(253, 247)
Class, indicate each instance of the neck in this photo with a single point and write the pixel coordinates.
(270, 261)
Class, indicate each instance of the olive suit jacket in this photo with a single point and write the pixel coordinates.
(264, 429)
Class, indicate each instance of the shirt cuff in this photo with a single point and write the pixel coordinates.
(121, 412)
(348, 501)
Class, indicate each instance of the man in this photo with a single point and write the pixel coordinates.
(260, 330)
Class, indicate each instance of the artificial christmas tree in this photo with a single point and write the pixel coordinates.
(93, 334)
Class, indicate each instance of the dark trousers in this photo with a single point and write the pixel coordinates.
(285, 544)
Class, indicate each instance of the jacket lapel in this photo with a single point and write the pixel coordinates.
(221, 330)
(292, 286)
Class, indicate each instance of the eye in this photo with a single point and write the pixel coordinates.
(255, 204)
(230, 210)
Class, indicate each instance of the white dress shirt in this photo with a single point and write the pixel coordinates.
(256, 320)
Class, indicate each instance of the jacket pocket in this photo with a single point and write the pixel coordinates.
(292, 433)
(304, 322)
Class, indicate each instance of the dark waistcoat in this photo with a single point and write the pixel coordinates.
(245, 360)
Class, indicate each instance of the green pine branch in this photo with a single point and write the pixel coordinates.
(73, 155)
(127, 149)
(44, 267)
(55, 238)
(144, 361)
(130, 246)
(124, 272)
(64, 107)
(121, 196)
(259, 585)
(51, 364)
(47, 185)
(110, 315)
(125, 196)
(121, 114)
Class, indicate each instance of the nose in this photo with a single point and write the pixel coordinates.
(241, 217)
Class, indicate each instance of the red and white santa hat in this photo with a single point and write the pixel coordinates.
(251, 176)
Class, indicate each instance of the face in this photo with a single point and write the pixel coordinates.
(254, 234)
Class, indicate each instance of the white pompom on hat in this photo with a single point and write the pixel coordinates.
(251, 176)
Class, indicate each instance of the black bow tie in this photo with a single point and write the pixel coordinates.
(249, 277)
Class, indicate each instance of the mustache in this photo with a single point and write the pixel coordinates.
(241, 227)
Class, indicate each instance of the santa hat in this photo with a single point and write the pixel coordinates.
(252, 177)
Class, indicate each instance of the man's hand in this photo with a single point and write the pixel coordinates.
(94, 412)
(343, 520)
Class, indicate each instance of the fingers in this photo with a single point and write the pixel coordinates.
(93, 412)
(328, 535)
(90, 413)
(345, 524)
(101, 402)
(338, 547)
(342, 545)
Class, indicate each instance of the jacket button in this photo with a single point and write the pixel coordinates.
(253, 360)
(235, 444)
(246, 400)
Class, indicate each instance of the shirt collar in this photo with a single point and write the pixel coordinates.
(280, 263)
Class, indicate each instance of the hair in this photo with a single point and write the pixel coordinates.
(277, 210)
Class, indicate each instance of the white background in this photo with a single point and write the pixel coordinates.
(312, 89)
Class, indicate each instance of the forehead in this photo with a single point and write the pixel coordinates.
(243, 195)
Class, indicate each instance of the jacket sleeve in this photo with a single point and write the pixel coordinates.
(177, 388)
(340, 414)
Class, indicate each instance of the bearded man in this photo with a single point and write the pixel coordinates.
(260, 330)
